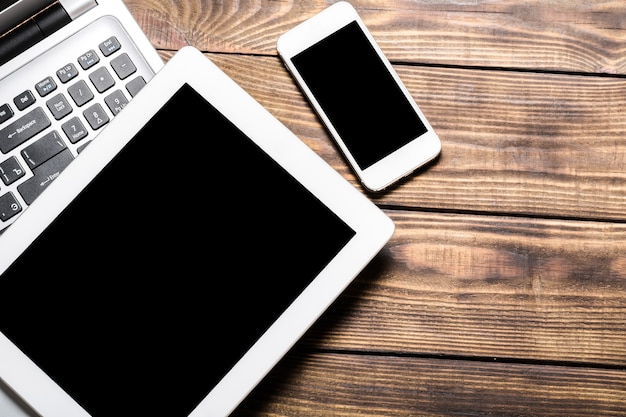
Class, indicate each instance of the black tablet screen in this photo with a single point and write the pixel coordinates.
(147, 289)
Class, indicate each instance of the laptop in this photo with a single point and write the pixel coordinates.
(67, 67)
(178, 258)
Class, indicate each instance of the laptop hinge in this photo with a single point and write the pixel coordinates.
(75, 8)
(32, 30)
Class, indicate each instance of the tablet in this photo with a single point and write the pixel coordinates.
(178, 258)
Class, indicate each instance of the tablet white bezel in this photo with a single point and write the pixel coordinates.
(373, 229)
(401, 162)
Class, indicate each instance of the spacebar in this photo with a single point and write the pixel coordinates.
(44, 175)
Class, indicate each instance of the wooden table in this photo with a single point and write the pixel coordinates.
(503, 290)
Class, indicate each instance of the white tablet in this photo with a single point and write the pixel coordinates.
(178, 258)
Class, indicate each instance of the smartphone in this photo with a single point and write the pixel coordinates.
(359, 97)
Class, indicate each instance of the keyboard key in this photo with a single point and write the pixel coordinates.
(59, 106)
(45, 86)
(43, 149)
(74, 130)
(110, 46)
(80, 93)
(9, 206)
(5, 113)
(123, 66)
(44, 175)
(135, 86)
(43, 128)
(11, 171)
(88, 59)
(95, 116)
(24, 100)
(116, 101)
(83, 146)
(67, 73)
(23, 129)
(102, 79)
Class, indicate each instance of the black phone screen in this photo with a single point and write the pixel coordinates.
(359, 95)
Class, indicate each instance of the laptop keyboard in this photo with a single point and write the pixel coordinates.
(58, 112)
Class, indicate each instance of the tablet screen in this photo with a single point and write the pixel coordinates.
(158, 277)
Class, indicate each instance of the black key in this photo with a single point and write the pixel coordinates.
(102, 79)
(9, 206)
(23, 129)
(46, 86)
(59, 106)
(5, 113)
(82, 147)
(96, 116)
(80, 92)
(11, 171)
(44, 175)
(74, 129)
(67, 73)
(123, 66)
(110, 46)
(135, 86)
(116, 101)
(43, 149)
(88, 59)
(24, 100)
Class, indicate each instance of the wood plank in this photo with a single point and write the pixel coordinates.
(351, 385)
(560, 35)
(529, 144)
(532, 144)
(488, 287)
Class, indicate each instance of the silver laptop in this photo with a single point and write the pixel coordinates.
(67, 68)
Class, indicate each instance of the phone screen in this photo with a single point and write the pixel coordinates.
(359, 95)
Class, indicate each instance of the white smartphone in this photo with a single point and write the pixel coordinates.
(358, 96)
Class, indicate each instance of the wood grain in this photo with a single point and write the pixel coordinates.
(559, 35)
(320, 385)
(482, 286)
(516, 143)
(503, 290)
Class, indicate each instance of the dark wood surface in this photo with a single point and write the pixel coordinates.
(503, 290)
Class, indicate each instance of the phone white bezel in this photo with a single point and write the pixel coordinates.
(373, 229)
(393, 167)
